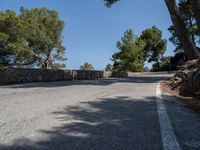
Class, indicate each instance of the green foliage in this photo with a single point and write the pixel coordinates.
(108, 67)
(32, 38)
(155, 44)
(131, 54)
(45, 35)
(187, 12)
(110, 2)
(174, 39)
(170, 63)
(165, 65)
(57, 66)
(12, 43)
(86, 66)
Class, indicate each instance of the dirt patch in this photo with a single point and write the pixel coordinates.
(190, 102)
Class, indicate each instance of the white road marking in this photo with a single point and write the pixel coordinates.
(168, 137)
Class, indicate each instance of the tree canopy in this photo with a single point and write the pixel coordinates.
(110, 2)
(130, 55)
(86, 66)
(33, 37)
(13, 46)
(187, 11)
(155, 44)
(108, 67)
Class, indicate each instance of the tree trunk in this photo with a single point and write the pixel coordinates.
(190, 50)
(157, 62)
(45, 65)
(196, 7)
(46, 61)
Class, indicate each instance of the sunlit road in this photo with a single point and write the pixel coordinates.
(107, 114)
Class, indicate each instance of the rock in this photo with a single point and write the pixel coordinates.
(189, 65)
(191, 86)
(119, 74)
(187, 79)
(198, 63)
(25, 75)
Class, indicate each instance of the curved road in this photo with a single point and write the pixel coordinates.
(107, 114)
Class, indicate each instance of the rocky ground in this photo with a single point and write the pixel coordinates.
(186, 83)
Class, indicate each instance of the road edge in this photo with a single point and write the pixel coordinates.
(169, 140)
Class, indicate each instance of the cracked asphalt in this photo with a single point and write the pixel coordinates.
(106, 114)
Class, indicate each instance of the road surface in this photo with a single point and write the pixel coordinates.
(107, 114)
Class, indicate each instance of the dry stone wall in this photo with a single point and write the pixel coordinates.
(24, 75)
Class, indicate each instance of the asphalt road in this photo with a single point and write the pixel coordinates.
(107, 114)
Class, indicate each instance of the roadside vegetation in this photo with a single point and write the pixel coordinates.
(32, 38)
(86, 66)
(134, 50)
(108, 67)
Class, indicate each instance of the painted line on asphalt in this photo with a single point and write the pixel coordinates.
(168, 137)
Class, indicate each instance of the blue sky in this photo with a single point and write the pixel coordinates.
(91, 29)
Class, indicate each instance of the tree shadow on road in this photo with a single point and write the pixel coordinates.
(120, 123)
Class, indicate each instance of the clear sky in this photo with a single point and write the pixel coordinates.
(91, 29)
